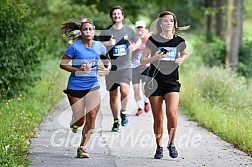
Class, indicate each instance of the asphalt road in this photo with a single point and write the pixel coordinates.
(55, 145)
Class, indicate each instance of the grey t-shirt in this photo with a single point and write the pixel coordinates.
(119, 54)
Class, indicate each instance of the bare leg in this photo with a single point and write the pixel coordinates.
(156, 106)
(137, 95)
(145, 99)
(124, 90)
(77, 105)
(114, 102)
(92, 108)
(172, 100)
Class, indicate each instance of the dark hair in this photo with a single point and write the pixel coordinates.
(161, 15)
(69, 27)
(114, 8)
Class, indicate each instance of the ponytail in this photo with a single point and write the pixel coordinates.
(68, 28)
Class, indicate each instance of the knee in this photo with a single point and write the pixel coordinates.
(172, 117)
(91, 118)
(158, 122)
(113, 96)
(124, 93)
(124, 90)
(80, 122)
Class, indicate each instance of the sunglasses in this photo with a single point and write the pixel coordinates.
(140, 27)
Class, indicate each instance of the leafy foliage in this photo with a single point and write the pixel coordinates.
(20, 53)
(248, 8)
(245, 59)
(215, 52)
(149, 10)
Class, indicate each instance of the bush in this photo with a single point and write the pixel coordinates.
(213, 53)
(20, 56)
(245, 59)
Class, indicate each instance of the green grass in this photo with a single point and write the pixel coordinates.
(20, 116)
(218, 99)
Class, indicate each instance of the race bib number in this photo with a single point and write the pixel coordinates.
(90, 63)
(120, 50)
(171, 53)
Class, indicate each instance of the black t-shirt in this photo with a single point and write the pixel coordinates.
(165, 70)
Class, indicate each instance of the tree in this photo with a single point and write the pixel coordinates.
(20, 57)
(209, 19)
(219, 18)
(234, 32)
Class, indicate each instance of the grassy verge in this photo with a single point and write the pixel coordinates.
(219, 100)
(20, 116)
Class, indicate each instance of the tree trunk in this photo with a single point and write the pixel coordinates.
(240, 6)
(234, 32)
(209, 19)
(219, 18)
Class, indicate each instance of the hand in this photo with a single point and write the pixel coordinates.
(132, 47)
(179, 60)
(102, 71)
(112, 41)
(85, 68)
(159, 55)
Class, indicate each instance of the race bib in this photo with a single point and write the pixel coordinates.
(120, 50)
(138, 56)
(136, 59)
(171, 53)
(90, 63)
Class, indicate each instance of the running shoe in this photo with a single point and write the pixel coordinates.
(116, 126)
(139, 112)
(124, 121)
(74, 128)
(172, 151)
(82, 152)
(159, 153)
(146, 107)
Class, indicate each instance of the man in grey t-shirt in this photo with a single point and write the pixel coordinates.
(121, 41)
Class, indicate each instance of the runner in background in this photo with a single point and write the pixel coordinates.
(119, 48)
(140, 72)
